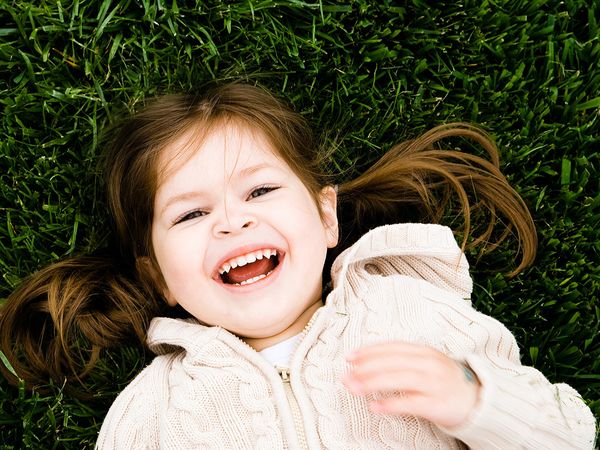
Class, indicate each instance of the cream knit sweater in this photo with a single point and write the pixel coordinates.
(409, 282)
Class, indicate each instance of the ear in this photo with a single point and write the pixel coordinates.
(328, 200)
(150, 275)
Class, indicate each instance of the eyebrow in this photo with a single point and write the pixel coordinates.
(253, 169)
(190, 195)
(180, 198)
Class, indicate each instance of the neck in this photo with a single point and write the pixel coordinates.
(298, 326)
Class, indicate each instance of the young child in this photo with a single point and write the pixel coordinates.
(223, 213)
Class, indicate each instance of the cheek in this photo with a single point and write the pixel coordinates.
(308, 228)
(173, 259)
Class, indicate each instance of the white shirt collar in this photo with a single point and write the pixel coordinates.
(279, 355)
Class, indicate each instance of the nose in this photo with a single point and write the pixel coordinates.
(231, 222)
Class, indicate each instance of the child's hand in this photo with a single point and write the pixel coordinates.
(423, 382)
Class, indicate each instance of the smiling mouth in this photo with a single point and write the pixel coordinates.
(249, 268)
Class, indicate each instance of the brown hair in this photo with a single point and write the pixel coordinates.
(84, 304)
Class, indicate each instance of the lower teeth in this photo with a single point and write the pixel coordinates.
(253, 279)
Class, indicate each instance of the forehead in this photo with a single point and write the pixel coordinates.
(227, 148)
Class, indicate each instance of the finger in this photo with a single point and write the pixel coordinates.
(385, 348)
(398, 355)
(397, 381)
(407, 404)
(390, 362)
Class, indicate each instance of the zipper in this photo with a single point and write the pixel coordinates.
(284, 373)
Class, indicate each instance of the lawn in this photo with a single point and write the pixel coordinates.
(370, 74)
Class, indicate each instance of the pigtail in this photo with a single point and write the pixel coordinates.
(61, 318)
(418, 181)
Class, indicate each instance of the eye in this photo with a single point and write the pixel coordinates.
(189, 216)
(262, 190)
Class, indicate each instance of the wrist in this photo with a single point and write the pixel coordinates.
(472, 389)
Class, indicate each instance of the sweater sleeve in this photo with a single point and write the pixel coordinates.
(132, 421)
(518, 407)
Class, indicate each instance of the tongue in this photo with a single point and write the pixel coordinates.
(251, 270)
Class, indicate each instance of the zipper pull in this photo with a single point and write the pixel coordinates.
(284, 373)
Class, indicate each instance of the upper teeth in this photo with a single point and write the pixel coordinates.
(242, 260)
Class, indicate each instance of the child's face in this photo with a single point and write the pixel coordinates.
(231, 203)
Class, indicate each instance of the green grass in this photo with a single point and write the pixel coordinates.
(528, 71)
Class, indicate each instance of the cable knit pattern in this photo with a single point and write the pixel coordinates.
(408, 282)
